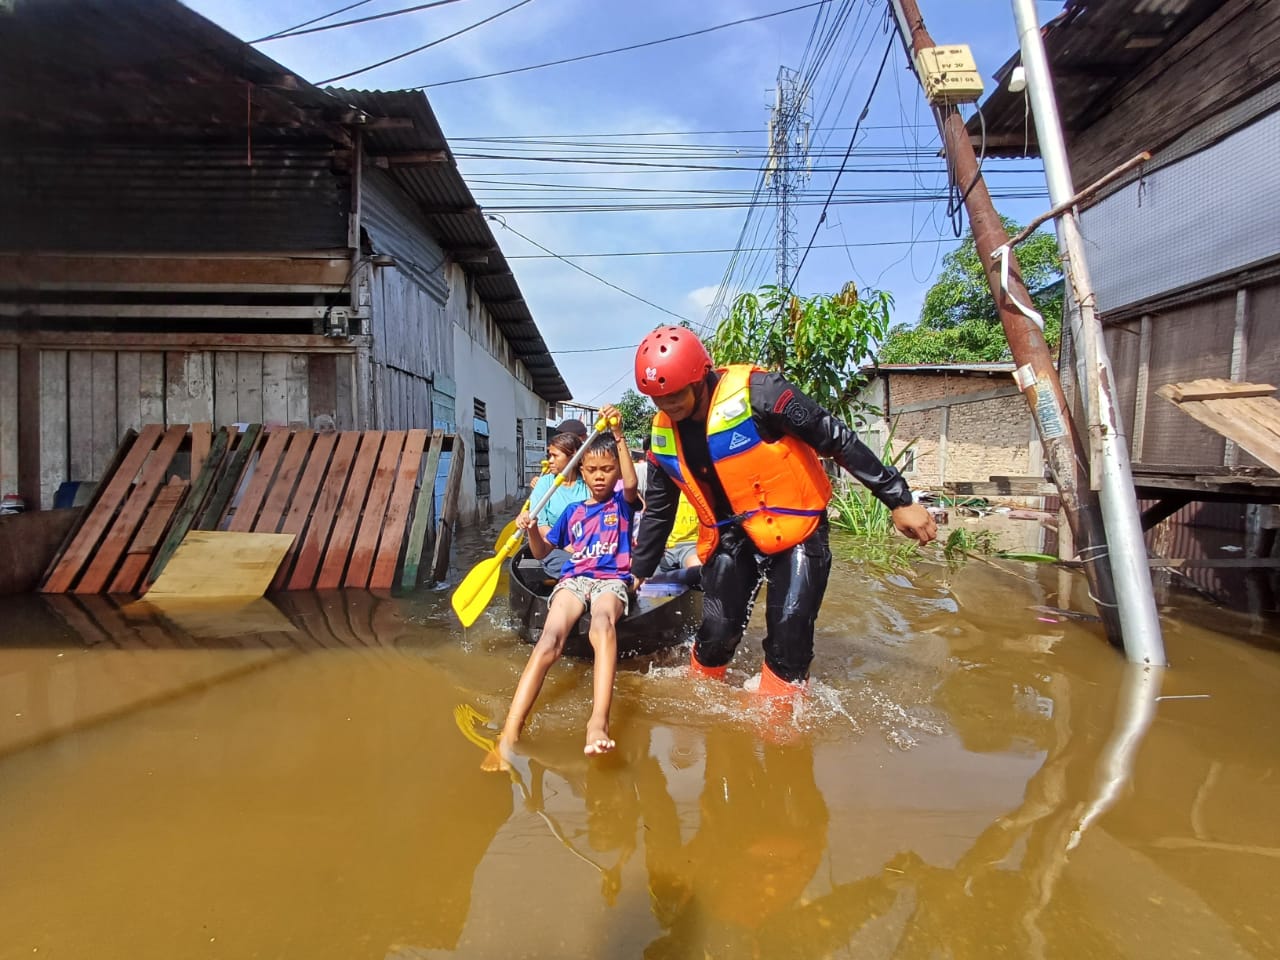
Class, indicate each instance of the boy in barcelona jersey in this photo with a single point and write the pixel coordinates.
(596, 578)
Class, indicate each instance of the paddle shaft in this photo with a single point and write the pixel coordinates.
(601, 426)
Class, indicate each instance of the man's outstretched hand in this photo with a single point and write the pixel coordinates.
(914, 521)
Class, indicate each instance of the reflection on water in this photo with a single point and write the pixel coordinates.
(300, 778)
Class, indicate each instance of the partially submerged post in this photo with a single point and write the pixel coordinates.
(1139, 621)
(1037, 376)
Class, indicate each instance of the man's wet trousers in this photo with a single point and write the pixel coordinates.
(796, 579)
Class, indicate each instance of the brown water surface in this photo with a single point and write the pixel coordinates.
(969, 778)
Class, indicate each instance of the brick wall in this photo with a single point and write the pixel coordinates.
(985, 438)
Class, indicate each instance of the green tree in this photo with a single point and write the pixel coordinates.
(818, 343)
(959, 322)
(637, 416)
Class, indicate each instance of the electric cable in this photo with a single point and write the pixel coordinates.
(306, 23)
(425, 46)
(297, 32)
(604, 53)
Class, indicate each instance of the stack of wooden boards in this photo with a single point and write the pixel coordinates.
(358, 504)
(1245, 413)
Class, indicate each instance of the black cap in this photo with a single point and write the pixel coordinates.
(572, 426)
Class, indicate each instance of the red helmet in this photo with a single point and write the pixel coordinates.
(668, 360)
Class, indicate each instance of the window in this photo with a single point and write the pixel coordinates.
(480, 437)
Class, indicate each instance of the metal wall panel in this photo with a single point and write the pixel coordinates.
(1212, 213)
(396, 226)
(171, 197)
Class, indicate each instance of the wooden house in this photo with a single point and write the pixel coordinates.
(1184, 251)
(190, 233)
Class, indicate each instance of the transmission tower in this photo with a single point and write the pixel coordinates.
(788, 166)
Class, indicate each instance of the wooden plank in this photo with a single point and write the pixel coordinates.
(249, 388)
(210, 516)
(30, 426)
(103, 509)
(179, 342)
(9, 422)
(298, 411)
(1002, 487)
(1213, 388)
(79, 400)
(191, 505)
(138, 557)
(225, 383)
(303, 497)
(393, 530)
(201, 437)
(312, 550)
(344, 525)
(299, 441)
(106, 435)
(217, 563)
(126, 522)
(422, 513)
(275, 391)
(126, 444)
(151, 389)
(322, 388)
(448, 512)
(53, 424)
(375, 511)
(128, 391)
(130, 272)
(1252, 422)
(246, 511)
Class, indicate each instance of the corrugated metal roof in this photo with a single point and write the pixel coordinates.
(1094, 47)
(138, 70)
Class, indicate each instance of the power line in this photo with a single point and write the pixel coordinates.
(296, 32)
(605, 53)
(425, 46)
(681, 253)
(307, 23)
(580, 269)
(852, 139)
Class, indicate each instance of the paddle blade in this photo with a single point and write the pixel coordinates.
(476, 590)
(507, 533)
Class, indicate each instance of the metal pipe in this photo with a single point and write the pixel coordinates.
(1139, 621)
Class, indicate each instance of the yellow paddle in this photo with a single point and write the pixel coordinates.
(510, 528)
(476, 589)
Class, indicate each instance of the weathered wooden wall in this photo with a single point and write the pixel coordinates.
(88, 393)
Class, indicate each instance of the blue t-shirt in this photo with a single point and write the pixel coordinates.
(564, 497)
(598, 538)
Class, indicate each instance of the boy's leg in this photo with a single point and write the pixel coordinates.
(606, 608)
(563, 613)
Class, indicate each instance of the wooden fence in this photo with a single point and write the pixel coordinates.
(359, 504)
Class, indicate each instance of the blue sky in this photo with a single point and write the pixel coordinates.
(662, 104)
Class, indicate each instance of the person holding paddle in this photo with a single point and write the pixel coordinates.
(744, 446)
(596, 532)
(560, 450)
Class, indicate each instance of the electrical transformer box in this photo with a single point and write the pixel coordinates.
(949, 74)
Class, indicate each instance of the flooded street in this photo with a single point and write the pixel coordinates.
(970, 777)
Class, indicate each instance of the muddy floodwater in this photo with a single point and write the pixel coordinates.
(970, 777)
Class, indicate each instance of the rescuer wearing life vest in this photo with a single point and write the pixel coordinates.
(742, 444)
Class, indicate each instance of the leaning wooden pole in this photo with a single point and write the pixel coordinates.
(1036, 375)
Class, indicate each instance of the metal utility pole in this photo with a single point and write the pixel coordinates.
(788, 165)
(1036, 376)
(1139, 621)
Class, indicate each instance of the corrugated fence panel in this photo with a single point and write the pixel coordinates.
(396, 228)
(171, 196)
(1214, 212)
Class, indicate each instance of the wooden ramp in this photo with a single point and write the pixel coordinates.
(1246, 413)
(357, 505)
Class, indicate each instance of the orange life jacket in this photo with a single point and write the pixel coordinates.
(778, 491)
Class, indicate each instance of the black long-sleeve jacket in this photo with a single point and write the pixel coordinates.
(779, 409)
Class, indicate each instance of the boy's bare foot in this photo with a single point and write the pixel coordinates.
(598, 740)
(497, 759)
